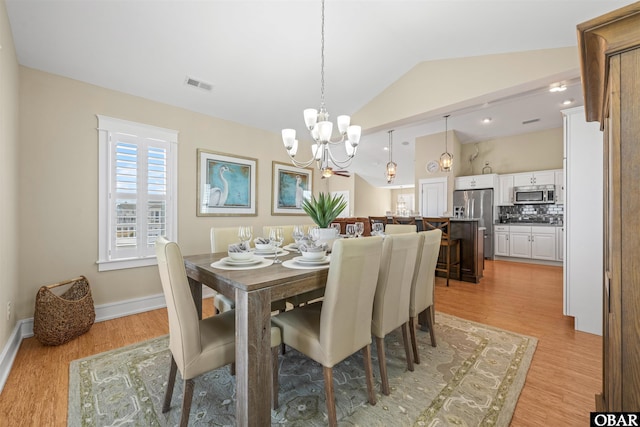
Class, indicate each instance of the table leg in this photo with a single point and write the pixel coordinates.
(196, 294)
(253, 358)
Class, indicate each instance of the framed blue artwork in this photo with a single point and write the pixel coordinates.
(226, 185)
(291, 185)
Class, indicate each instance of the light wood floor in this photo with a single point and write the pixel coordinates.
(561, 384)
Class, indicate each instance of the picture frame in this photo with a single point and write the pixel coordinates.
(291, 185)
(227, 184)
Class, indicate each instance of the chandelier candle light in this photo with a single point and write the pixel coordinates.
(390, 173)
(321, 130)
(446, 158)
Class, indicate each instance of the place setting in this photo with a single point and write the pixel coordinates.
(312, 256)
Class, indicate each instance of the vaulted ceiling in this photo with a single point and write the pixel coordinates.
(262, 58)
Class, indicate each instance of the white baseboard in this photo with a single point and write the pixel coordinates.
(24, 327)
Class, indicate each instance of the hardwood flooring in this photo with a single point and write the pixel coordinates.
(561, 383)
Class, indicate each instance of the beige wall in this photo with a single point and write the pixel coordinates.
(370, 200)
(430, 147)
(59, 182)
(9, 143)
(520, 153)
(449, 84)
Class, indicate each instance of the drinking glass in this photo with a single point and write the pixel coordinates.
(276, 237)
(336, 225)
(244, 234)
(378, 228)
(359, 229)
(314, 233)
(298, 233)
(351, 230)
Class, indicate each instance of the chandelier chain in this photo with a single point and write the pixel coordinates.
(322, 59)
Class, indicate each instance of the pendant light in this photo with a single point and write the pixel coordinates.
(446, 158)
(390, 173)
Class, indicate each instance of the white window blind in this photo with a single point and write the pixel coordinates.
(138, 192)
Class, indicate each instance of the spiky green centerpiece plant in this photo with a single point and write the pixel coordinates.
(324, 209)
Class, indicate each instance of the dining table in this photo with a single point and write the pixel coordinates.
(253, 289)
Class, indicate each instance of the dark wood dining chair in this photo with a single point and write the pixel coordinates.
(445, 263)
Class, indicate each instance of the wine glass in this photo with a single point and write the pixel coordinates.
(314, 233)
(336, 226)
(276, 237)
(359, 229)
(351, 230)
(244, 234)
(378, 229)
(298, 233)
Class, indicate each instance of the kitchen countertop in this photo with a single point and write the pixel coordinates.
(464, 219)
(530, 224)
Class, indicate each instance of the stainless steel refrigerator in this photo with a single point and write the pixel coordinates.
(478, 204)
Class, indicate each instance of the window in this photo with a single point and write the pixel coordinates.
(137, 192)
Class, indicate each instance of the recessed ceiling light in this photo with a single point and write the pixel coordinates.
(557, 87)
(486, 120)
(567, 102)
(385, 148)
(405, 142)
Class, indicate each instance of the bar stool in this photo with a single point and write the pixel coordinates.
(446, 243)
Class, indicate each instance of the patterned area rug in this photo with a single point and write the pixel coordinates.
(473, 377)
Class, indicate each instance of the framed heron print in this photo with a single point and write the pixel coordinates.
(291, 185)
(226, 185)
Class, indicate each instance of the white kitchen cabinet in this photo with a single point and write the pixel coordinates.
(473, 182)
(559, 181)
(501, 247)
(560, 243)
(534, 178)
(520, 241)
(505, 190)
(543, 243)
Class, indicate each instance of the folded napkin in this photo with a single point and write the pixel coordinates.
(311, 247)
(262, 241)
(239, 247)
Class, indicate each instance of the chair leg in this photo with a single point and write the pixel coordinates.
(407, 350)
(429, 318)
(331, 400)
(414, 342)
(172, 380)
(448, 249)
(368, 371)
(232, 369)
(382, 361)
(186, 402)
(275, 386)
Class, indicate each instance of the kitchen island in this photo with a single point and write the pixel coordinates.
(471, 238)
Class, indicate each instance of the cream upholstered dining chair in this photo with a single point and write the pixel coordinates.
(400, 228)
(197, 346)
(221, 238)
(286, 229)
(422, 286)
(393, 292)
(330, 331)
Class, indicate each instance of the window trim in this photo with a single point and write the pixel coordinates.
(106, 126)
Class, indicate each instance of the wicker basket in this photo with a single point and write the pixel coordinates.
(61, 318)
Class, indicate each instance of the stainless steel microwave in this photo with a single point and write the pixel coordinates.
(534, 194)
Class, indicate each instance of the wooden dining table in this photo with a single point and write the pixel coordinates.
(253, 291)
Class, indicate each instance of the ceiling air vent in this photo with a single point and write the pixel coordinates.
(527, 122)
(199, 84)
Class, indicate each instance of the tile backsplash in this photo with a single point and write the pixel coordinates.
(548, 214)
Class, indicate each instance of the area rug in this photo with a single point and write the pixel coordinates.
(473, 377)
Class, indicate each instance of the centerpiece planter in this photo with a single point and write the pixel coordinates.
(323, 210)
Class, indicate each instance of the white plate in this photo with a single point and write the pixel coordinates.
(231, 261)
(305, 261)
(268, 252)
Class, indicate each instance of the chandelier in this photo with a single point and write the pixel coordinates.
(446, 158)
(390, 173)
(321, 130)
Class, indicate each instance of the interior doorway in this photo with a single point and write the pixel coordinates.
(433, 196)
